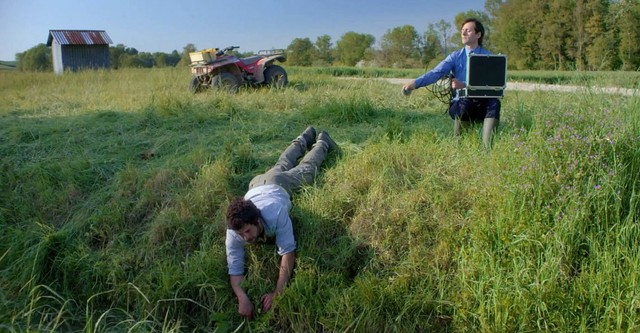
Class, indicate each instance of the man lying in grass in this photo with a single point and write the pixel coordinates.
(263, 213)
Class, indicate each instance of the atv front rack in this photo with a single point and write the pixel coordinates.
(203, 57)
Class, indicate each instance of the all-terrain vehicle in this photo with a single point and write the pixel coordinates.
(219, 68)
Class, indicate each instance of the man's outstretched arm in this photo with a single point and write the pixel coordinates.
(245, 307)
(286, 268)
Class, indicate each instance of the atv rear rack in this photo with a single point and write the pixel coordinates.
(270, 52)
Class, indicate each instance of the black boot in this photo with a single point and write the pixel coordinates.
(330, 144)
(307, 137)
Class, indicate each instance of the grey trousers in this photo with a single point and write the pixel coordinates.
(289, 175)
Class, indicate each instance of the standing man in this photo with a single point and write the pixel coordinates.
(464, 110)
(263, 213)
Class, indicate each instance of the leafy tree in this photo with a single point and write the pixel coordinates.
(432, 46)
(185, 60)
(123, 56)
(553, 45)
(601, 50)
(400, 47)
(580, 35)
(130, 60)
(131, 51)
(160, 59)
(300, 52)
(324, 51)
(173, 59)
(353, 46)
(115, 53)
(146, 59)
(532, 26)
(493, 7)
(627, 13)
(444, 29)
(37, 58)
(516, 32)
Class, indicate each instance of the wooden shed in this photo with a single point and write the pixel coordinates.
(79, 49)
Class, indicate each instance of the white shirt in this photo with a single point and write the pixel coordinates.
(274, 204)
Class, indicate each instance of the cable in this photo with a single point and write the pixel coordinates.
(442, 89)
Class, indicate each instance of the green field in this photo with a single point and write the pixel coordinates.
(114, 186)
(7, 65)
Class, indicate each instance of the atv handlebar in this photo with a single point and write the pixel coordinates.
(226, 49)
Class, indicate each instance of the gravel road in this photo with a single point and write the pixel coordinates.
(523, 86)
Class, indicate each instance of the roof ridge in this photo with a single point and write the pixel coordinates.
(79, 37)
(75, 30)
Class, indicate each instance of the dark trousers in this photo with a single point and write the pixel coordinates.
(474, 109)
(289, 175)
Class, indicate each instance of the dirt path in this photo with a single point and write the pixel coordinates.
(523, 86)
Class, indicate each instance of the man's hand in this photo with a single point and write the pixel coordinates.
(245, 307)
(457, 84)
(407, 88)
(267, 301)
(286, 267)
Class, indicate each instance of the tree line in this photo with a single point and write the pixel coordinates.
(38, 58)
(567, 34)
(534, 34)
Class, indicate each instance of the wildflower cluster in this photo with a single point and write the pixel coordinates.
(572, 156)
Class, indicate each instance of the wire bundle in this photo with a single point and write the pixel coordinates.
(441, 89)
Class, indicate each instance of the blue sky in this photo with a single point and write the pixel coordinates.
(164, 26)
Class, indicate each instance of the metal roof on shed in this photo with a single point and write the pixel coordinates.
(79, 37)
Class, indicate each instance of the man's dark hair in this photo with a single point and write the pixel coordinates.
(241, 212)
(479, 28)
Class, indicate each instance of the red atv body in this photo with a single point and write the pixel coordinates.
(230, 72)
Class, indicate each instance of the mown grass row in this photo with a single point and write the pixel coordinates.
(114, 185)
(630, 80)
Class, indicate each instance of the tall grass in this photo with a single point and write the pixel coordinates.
(113, 187)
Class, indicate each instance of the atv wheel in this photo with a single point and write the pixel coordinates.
(226, 81)
(275, 76)
(196, 84)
